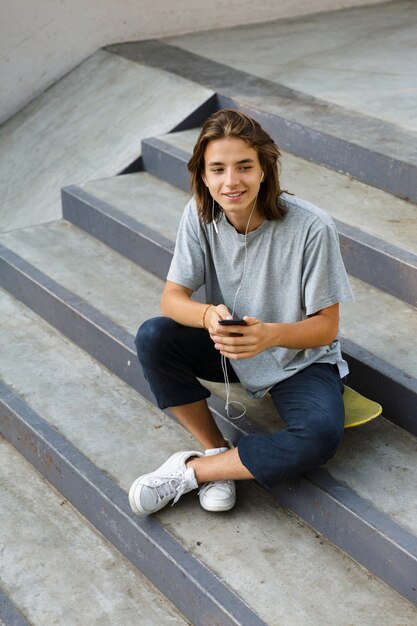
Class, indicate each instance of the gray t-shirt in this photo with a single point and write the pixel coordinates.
(293, 269)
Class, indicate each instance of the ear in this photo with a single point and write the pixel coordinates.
(204, 179)
(262, 176)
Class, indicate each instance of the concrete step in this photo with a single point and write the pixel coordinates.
(321, 84)
(88, 125)
(382, 366)
(376, 230)
(55, 567)
(91, 435)
(57, 274)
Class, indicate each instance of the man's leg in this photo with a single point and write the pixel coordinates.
(197, 418)
(311, 403)
(173, 357)
(224, 466)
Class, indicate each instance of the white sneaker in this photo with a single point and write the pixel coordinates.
(219, 495)
(153, 491)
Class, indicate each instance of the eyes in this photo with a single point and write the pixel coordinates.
(241, 168)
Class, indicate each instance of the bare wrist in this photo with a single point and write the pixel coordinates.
(273, 334)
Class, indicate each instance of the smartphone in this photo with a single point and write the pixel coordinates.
(232, 322)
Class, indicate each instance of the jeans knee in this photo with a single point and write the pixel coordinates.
(326, 439)
(149, 338)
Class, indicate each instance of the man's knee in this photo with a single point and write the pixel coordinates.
(152, 334)
(324, 440)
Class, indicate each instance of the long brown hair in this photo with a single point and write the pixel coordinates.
(231, 123)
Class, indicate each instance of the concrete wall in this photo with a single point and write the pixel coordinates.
(41, 40)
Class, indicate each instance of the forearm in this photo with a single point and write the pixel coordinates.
(315, 331)
(178, 305)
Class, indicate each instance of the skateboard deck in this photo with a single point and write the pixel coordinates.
(358, 408)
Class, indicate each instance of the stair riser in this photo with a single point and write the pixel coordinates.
(379, 264)
(373, 168)
(333, 510)
(166, 162)
(119, 232)
(352, 524)
(192, 588)
(368, 258)
(392, 388)
(133, 240)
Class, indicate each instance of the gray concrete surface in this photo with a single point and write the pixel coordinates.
(362, 59)
(88, 125)
(128, 295)
(284, 570)
(57, 569)
(40, 43)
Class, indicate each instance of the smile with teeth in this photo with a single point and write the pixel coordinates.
(235, 194)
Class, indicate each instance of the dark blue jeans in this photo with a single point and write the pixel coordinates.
(173, 357)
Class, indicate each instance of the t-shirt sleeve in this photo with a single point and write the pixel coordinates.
(325, 281)
(187, 265)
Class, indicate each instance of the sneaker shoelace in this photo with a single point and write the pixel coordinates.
(183, 487)
(170, 485)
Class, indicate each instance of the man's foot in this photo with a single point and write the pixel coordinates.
(151, 492)
(220, 495)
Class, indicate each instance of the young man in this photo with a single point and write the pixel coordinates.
(274, 261)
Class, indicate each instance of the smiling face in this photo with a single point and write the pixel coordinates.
(233, 175)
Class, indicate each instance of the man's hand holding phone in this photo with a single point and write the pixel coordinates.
(255, 337)
(233, 322)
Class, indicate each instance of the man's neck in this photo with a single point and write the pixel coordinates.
(243, 227)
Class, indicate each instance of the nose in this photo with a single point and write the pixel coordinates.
(231, 177)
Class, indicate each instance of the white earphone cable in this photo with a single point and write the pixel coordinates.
(223, 358)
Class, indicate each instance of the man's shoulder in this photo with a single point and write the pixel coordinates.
(190, 217)
(302, 210)
(191, 207)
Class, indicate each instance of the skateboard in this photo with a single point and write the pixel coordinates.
(359, 409)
